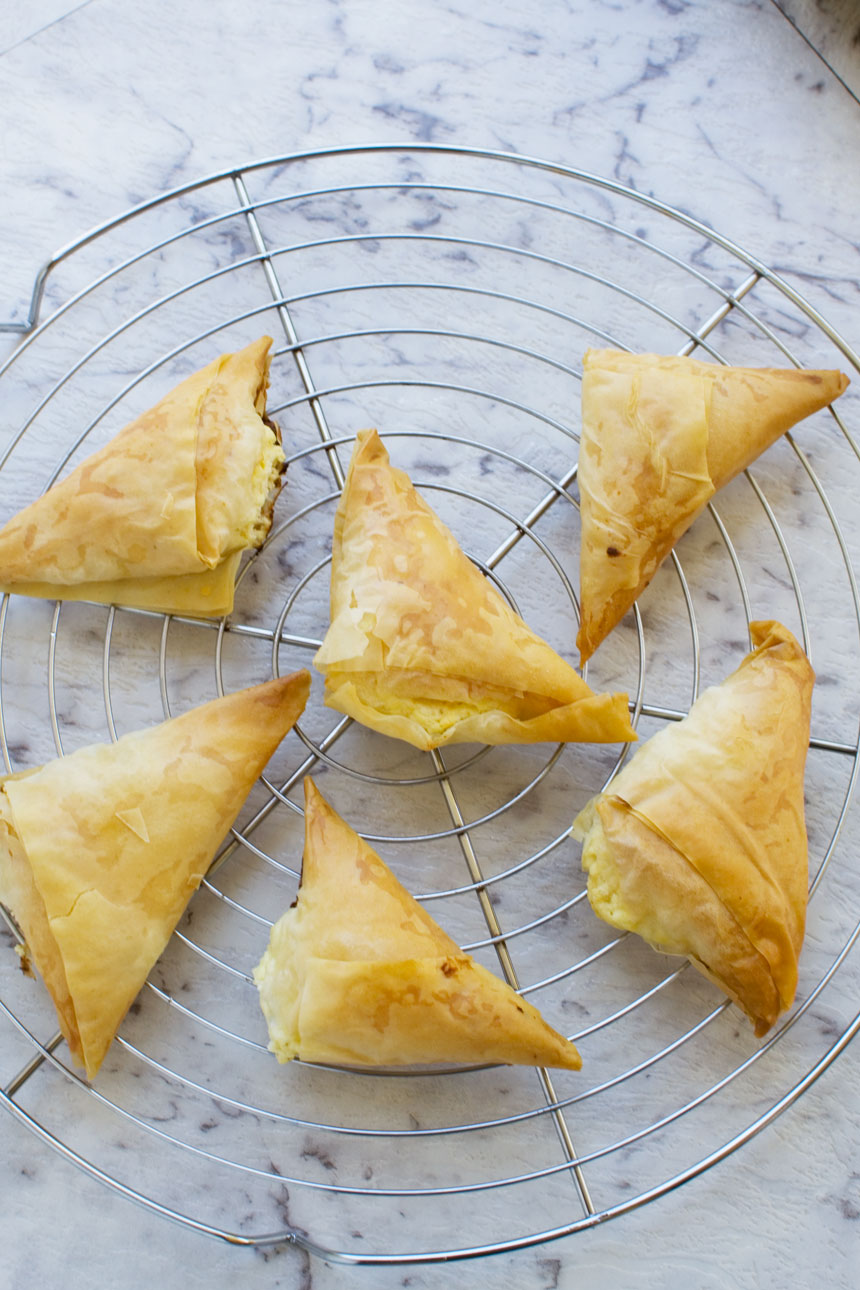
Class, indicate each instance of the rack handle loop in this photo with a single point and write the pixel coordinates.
(26, 325)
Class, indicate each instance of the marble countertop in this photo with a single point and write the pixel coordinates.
(724, 112)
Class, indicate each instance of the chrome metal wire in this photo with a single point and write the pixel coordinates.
(450, 303)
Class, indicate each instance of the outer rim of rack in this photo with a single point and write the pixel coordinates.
(452, 150)
(762, 272)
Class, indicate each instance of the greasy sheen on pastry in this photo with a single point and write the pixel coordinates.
(357, 973)
(422, 647)
(100, 851)
(660, 435)
(159, 517)
(699, 845)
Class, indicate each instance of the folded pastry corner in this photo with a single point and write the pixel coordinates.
(160, 516)
(660, 435)
(699, 844)
(357, 973)
(422, 647)
(100, 851)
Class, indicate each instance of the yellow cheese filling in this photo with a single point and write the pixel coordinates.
(394, 693)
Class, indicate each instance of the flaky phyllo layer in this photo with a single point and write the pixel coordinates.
(159, 517)
(699, 844)
(660, 435)
(357, 973)
(422, 647)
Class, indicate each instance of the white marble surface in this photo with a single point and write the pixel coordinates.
(721, 110)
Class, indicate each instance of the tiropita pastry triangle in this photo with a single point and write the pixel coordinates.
(699, 844)
(159, 517)
(660, 435)
(422, 647)
(357, 973)
(100, 851)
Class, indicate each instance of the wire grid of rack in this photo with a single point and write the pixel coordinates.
(445, 295)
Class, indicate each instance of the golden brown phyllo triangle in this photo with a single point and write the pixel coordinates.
(660, 435)
(421, 646)
(699, 844)
(358, 973)
(101, 850)
(160, 516)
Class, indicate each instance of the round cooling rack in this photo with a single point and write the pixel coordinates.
(445, 296)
